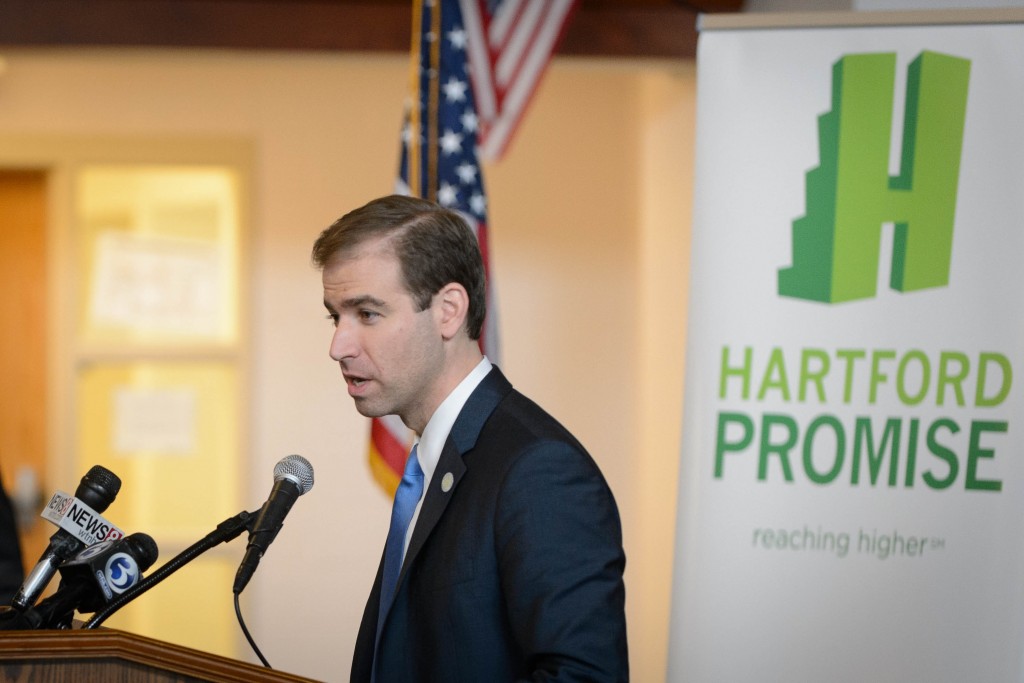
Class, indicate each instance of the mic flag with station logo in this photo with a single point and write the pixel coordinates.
(474, 66)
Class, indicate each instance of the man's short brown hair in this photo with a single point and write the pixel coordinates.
(434, 246)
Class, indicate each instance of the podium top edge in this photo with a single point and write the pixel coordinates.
(840, 19)
(62, 652)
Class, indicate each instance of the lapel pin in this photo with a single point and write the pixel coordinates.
(446, 482)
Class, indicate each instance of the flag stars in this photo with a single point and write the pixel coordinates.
(450, 142)
(457, 38)
(447, 194)
(466, 173)
(455, 90)
(478, 204)
(448, 124)
(409, 132)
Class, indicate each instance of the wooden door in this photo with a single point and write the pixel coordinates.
(23, 341)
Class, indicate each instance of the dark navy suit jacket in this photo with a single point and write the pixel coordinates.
(515, 572)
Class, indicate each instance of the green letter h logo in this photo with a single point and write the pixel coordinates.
(850, 194)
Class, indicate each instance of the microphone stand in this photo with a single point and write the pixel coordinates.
(228, 530)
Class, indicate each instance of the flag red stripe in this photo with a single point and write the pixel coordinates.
(504, 21)
(508, 53)
(391, 449)
(517, 48)
(513, 101)
(481, 66)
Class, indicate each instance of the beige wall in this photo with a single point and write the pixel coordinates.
(590, 224)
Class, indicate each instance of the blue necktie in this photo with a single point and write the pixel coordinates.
(408, 494)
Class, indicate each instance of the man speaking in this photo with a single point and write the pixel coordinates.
(504, 560)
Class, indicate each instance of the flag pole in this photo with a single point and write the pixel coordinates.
(433, 93)
(415, 123)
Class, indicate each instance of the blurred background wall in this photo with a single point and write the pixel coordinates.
(589, 216)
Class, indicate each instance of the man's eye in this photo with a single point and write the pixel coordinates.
(333, 318)
(368, 316)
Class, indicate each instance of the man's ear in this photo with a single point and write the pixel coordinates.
(452, 302)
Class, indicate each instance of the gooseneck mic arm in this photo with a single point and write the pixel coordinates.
(226, 531)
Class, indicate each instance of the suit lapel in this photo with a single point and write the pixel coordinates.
(451, 466)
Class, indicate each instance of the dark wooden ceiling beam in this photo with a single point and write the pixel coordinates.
(616, 28)
(631, 31)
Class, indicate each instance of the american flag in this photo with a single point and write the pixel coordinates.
(510, 43)
(438, 162)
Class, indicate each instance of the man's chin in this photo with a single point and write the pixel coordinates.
(366, 408)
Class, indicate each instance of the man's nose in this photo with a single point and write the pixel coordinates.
(343, 343)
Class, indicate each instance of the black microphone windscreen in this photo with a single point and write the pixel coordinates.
(98, 488)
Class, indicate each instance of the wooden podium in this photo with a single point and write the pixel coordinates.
(113, 656)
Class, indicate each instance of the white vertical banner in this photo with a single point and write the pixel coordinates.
(851, 503)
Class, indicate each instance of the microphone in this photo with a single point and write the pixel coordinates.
(112, 566)
(91, 579)
(293, 476)
(97, 490)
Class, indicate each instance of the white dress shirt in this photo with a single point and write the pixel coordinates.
(431, 442)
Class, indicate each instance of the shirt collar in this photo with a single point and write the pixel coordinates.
(431, 442)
